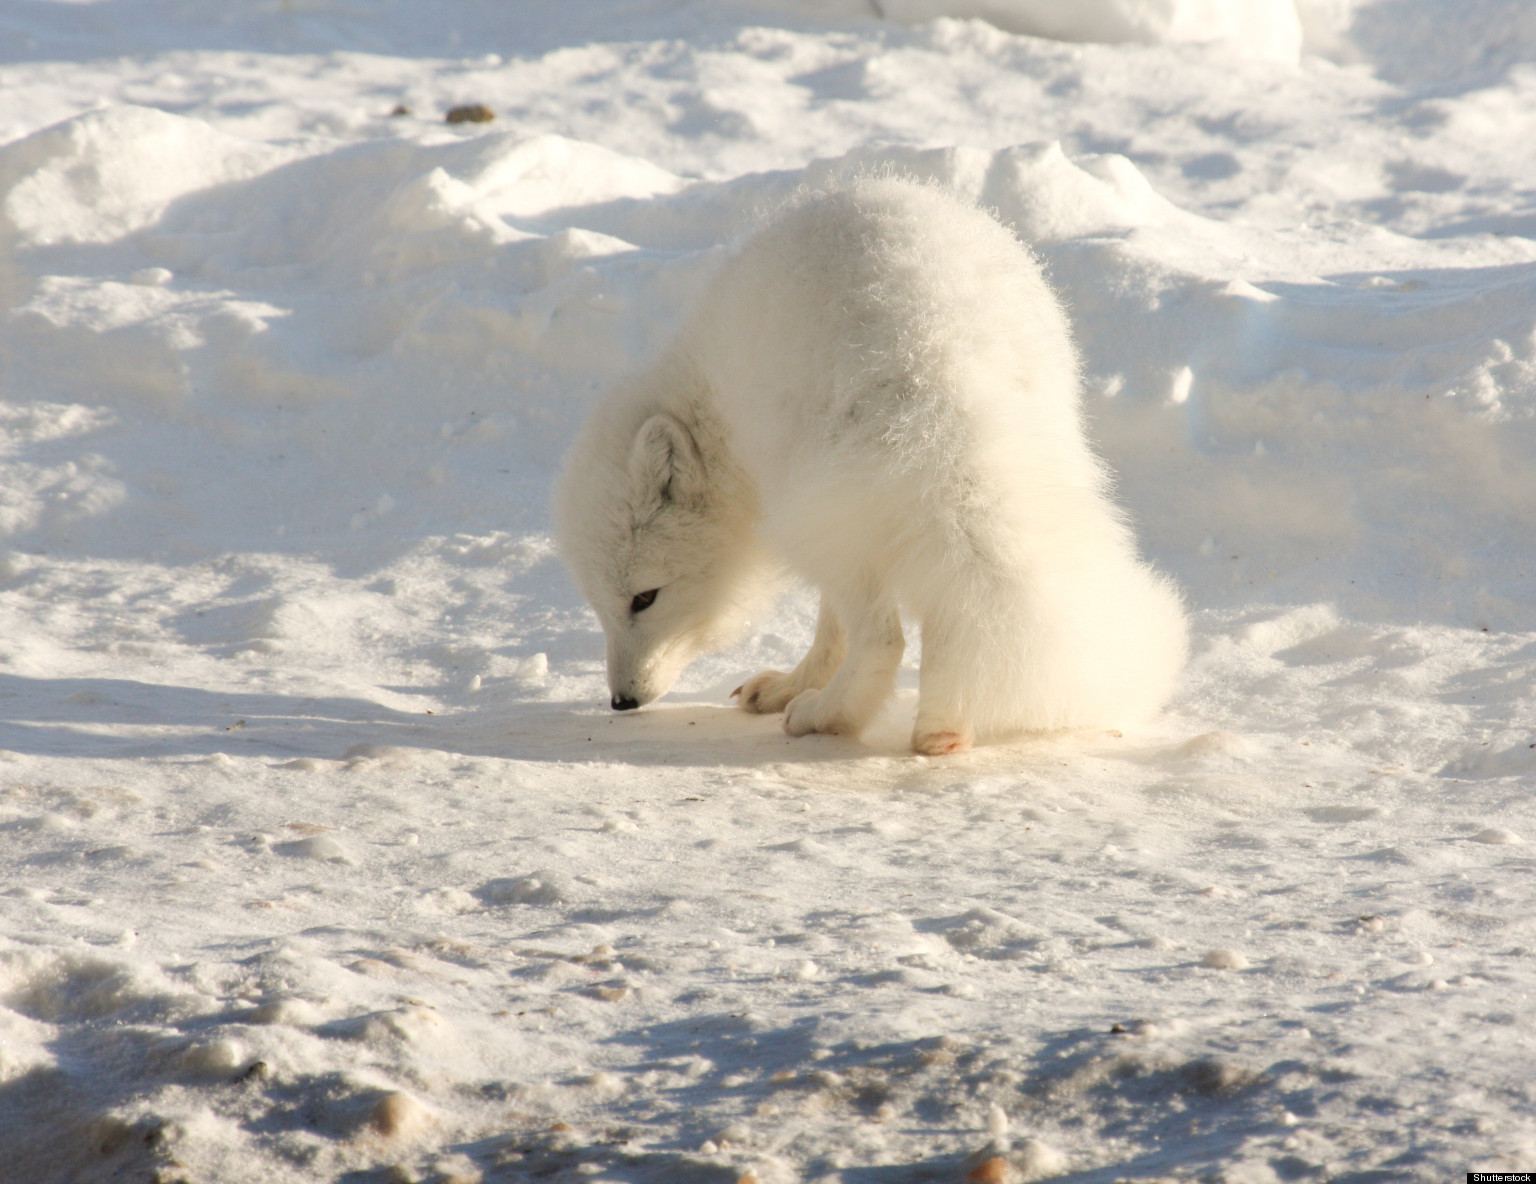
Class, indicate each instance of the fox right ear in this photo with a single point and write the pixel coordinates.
(664, 463)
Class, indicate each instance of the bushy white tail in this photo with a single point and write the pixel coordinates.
(1007, 652)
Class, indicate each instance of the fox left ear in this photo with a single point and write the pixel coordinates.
(665, 463)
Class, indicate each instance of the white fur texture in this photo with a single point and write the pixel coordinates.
(878, 391)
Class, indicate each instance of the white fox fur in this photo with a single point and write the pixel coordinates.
(878, 391)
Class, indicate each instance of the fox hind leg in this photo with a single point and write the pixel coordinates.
(952, 661)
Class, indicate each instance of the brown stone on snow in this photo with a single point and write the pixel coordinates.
(470, 113)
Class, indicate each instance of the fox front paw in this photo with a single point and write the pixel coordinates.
(766, 693)
(808, 713)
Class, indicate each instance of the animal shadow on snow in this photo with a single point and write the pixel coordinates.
(115, 718)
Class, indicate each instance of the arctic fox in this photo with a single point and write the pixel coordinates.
(879, 392)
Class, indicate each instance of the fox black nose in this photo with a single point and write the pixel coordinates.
(624, 703)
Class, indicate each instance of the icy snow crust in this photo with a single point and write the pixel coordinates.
(320, 856)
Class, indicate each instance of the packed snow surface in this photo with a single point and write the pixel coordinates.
(321, 855)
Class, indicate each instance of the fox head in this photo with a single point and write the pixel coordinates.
(661, 543)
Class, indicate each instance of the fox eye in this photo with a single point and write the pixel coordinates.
(643, 601)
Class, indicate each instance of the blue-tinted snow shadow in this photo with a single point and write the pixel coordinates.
(1166, 1113)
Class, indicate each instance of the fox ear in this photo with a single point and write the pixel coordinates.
(665, 463)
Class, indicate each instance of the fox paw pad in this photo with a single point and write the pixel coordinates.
(940, 743)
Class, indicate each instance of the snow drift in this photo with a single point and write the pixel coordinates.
(372, 307)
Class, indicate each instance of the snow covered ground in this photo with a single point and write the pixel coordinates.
(321, 856)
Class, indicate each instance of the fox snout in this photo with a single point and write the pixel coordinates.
(631, 688)
(632, 685)
(638, 673)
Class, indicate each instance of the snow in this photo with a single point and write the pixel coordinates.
(1251, 28)
(321, 856)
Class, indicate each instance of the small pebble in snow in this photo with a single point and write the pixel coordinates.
(1224, 960)
(995, 1170)
(1498, 836)
(398, 1115)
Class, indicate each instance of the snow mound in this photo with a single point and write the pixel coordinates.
(100, 176)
